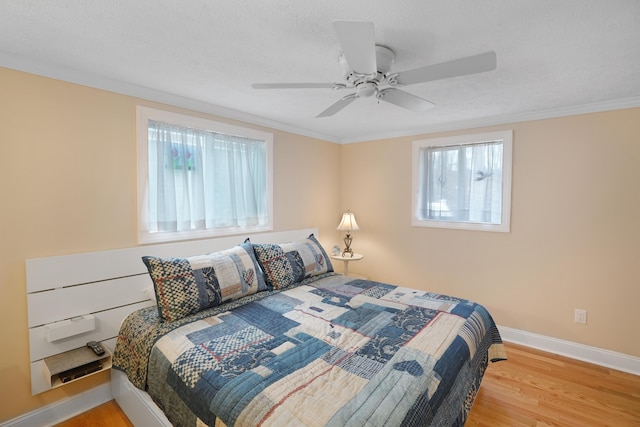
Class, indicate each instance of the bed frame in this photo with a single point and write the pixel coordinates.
(73, 299)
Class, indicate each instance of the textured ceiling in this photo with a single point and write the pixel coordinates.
(553, 56)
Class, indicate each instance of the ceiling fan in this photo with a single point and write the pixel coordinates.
(368, 69)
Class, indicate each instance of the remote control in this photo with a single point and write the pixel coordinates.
(96, 347)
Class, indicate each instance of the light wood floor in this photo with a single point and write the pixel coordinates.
(532, 388)
(106, 415)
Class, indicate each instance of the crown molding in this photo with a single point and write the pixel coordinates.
(616, 104)
(59, 72)
(69, 75)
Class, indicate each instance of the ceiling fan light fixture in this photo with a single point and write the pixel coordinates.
(366, 89)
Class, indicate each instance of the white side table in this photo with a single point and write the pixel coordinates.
(346, 259)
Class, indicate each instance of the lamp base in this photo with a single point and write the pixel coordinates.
(347, 242)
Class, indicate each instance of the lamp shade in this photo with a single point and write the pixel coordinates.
(348, 222)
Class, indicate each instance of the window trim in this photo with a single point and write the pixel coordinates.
(143, 115)
(507, 158)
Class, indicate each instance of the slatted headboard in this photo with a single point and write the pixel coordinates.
(73, 299)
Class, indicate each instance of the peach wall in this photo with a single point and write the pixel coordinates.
(67, 185)
(575, 234)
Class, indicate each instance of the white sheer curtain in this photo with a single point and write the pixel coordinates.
(204, 180)
(461, 183)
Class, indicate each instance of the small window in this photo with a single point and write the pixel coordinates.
(200, 178)
(463, 182)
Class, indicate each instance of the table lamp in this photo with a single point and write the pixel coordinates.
(348, 224)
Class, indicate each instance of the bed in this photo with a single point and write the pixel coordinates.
(268, 334)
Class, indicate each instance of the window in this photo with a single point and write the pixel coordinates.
(199, 178)
(463, 182)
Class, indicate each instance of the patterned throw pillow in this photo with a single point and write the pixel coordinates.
(287, 263)
(184, 286)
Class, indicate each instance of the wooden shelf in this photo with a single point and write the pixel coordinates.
(72, 365)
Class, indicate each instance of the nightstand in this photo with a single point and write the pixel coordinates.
(346, 259)
(69, 366)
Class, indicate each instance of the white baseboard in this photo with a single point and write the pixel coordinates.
(64, 409)
(597, 356)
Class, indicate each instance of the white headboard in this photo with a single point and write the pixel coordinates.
(73, 299)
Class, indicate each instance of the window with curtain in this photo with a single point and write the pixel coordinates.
(200, 178)
(463, 182)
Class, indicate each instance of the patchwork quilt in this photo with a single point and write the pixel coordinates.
(329, 351)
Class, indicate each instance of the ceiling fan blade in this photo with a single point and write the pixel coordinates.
(458, 67)
(337, 106)
(358, 43)
(405, 100)
(298, 86)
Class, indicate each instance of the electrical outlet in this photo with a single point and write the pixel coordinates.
(580, 316)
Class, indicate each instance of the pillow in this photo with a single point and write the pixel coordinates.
(184, 286)
(287, 263)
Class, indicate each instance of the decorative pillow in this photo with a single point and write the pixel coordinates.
(184, 286)
(287, 263)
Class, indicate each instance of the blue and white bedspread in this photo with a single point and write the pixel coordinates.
(331, 351)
